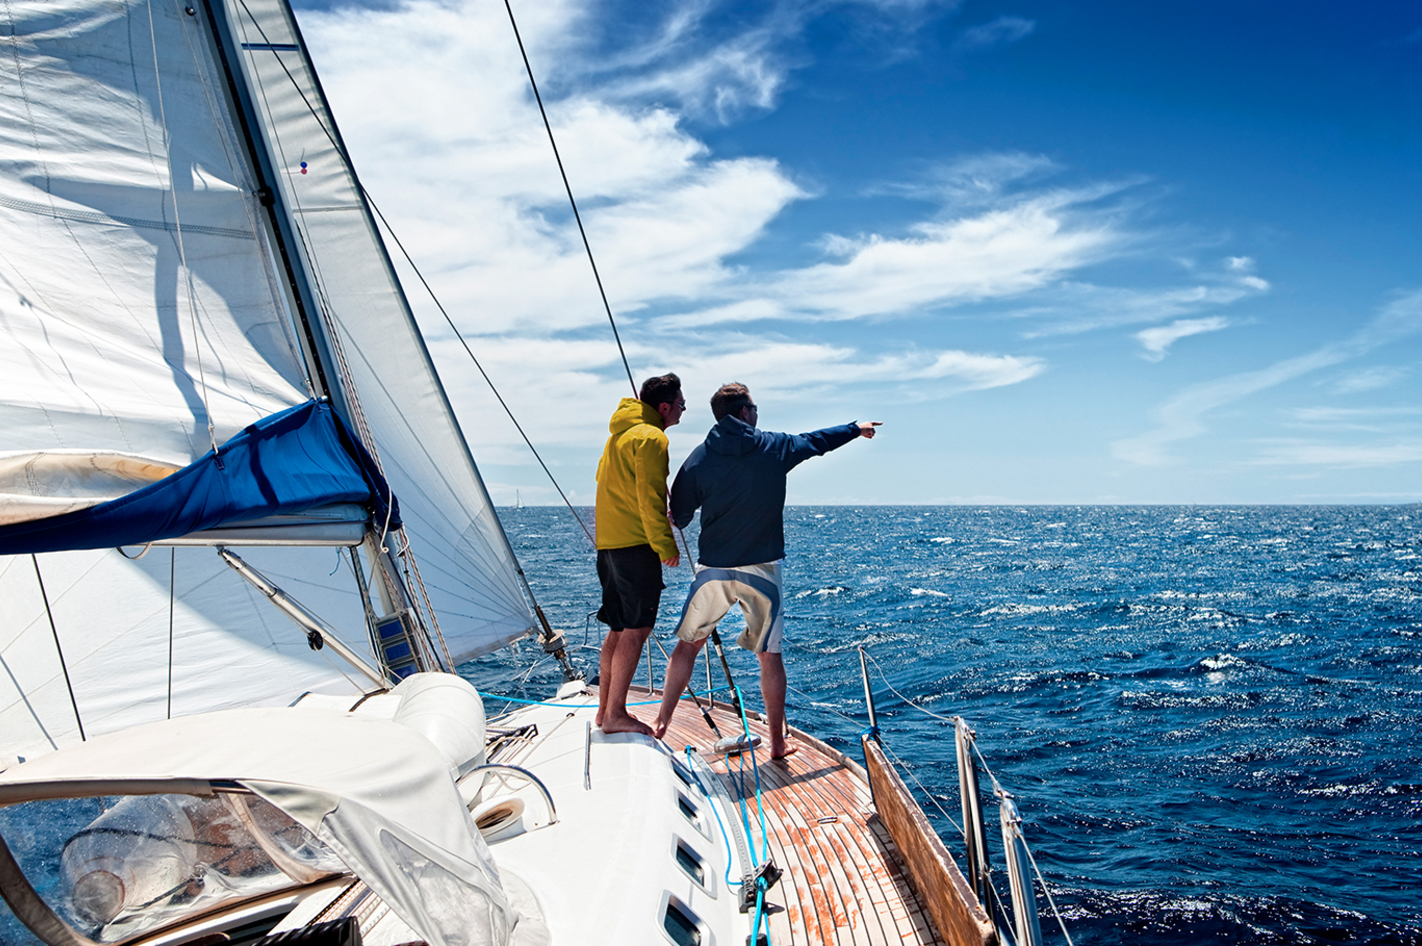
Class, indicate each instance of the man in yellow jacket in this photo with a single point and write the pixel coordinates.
(634, 539)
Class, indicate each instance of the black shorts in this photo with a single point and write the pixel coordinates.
(631, 586)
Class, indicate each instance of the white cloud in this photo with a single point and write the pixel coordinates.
(999, 32)
(1182, 416)
(448, 139)
(1352, 418)
(566, 388)
(976, 180)
(1002, 252)
(1157, 341)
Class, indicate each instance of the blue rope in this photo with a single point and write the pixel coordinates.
(725, 838)
(760, 884)
(759, 804)
(514, 699)
(759, 912)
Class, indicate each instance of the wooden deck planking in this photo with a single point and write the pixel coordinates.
(844, 883)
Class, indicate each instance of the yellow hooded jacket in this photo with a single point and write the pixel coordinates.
(632, 482)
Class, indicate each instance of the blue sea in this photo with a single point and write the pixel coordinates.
(1210, 717)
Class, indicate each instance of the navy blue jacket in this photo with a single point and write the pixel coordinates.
(737, 479)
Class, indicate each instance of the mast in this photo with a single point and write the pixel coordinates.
(314, 343)
(400, 629)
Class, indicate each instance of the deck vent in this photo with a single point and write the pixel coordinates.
(691, 862)
(681, 926)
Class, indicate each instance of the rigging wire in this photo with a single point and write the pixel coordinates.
(484, 374)
(569, 187)
(883, 676)
(1052, 902)
(172, 595)
(429, 618)
(60, 650)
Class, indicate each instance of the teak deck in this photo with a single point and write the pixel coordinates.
(846, 882)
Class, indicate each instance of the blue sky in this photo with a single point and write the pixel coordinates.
(1066, 252)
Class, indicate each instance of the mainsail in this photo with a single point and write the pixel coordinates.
(185, 252)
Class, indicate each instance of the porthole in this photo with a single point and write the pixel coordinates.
(689, 861)
(692, 813)
(680, 924)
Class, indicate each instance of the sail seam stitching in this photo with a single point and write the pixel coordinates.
(92, 216)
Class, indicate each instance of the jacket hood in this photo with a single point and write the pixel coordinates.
(631, 412)
(731, 436)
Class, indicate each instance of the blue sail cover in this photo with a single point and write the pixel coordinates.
(295, 460)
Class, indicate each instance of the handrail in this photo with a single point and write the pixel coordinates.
(525, 773)
(1021, 866)
(974, 829)
(1024, 902)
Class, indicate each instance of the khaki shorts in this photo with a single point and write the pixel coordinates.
(756, 588)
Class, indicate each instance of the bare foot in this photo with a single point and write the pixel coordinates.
(625, 722)
(598, 721)
(659, 728)
(783, 751)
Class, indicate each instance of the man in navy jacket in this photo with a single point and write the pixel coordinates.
(737, 479)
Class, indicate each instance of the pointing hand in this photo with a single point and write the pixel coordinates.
(866, 429)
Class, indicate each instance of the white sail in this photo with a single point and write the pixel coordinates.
(108, 187)
(464, 557)
(142, 298)
(228, 647)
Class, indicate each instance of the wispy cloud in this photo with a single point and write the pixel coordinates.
(1183, 416)
(998, 32)
(1342, 456)
(1073, 307)
(578, 380)
(973, 181)
(1353, 418)
(1157, 341)
(1370, 379)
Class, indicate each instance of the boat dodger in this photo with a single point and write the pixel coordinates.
(202, 811)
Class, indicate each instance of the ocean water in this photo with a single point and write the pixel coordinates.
(1211, 717)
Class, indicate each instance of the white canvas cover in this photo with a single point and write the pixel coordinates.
(374, 791)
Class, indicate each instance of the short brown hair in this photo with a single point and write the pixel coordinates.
(729, 399)
(660, 390)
